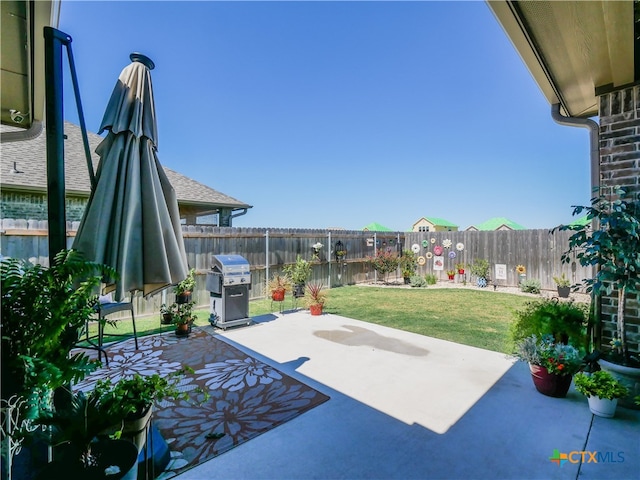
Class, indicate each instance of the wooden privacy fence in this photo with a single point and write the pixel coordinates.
(268, 250)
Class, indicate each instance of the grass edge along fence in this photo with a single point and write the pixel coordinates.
(268, 250)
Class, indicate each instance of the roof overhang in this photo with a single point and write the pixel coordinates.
(575, 50)
(22, 67)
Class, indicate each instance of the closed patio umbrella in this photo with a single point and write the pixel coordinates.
(132, 222)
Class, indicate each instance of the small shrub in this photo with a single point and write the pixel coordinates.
(530, 286)
(431, 279)
(418, 281)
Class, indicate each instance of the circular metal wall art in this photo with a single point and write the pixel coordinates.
(421, 260)
(437, 250)
(429, 254)
(425, 243)
(415, 248)
(460, 246)
(446, 243)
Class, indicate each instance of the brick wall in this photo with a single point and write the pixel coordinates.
(34, 206)
(620, 166)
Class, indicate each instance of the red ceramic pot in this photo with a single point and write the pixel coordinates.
(315, 309)
(277, 296)
(550, 384)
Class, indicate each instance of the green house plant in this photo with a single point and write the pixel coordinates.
(82, 448)
(480, 268)
(460, 266)
(408, 264)
(566, 322)
(278, 286)
(551, 364)
(315, 297)
(602, 390)
(184, 289)
(43, 311)
(183, 317)
(563, 284)
(299, 272)
(613, 247)
(130, 400)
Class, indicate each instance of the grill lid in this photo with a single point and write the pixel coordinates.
(231, 264)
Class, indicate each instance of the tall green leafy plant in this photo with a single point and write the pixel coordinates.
(43, 310)
(614, 248)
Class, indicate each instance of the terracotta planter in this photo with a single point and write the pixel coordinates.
(550, 384)
(277, 295)
(182, 330)
(183, 297)
(315, 309)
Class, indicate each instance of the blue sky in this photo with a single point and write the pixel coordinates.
(338, 114)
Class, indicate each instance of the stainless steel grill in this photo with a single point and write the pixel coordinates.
(229, 283)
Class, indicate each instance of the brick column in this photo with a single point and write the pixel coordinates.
(619, 113)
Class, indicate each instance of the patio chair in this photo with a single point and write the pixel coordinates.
(106, 308)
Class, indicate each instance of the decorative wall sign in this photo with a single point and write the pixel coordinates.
(501, 271)
(438, 263)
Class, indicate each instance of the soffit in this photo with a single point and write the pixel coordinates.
(573, 48)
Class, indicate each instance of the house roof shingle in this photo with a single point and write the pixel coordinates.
(30, 159)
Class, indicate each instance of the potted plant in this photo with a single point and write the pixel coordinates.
(451, 274)
(563, 284)
(81, 448)
(299, 273)
(278, 286)
(315, 298)
(167, 314)
(408, 263)
(521, 271)
(460, 266)
(43, 311)
(130, 400)
(566, 322)
(316, 251)
(184, 289)
(551, 364)
(480, 268)
(602, 390)
(613, 247)
(183, 317)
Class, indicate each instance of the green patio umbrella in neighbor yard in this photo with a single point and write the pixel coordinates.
(132, 222)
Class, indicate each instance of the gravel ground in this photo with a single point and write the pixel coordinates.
(578, 297)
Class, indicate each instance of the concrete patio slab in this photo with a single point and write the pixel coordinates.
(407, 406)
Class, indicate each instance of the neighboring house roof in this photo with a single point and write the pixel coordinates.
(376, 227)
(580, 222)
(438, 222)
(497, 223)
(30, 159)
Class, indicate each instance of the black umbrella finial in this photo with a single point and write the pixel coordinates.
(146, 61)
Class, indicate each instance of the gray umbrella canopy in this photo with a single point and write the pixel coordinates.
(132, 222)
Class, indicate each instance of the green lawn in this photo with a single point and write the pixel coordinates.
(478, 318)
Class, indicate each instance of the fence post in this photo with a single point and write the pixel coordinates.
(329, 250)
(267, 262)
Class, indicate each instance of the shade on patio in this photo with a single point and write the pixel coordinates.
(132, 222)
